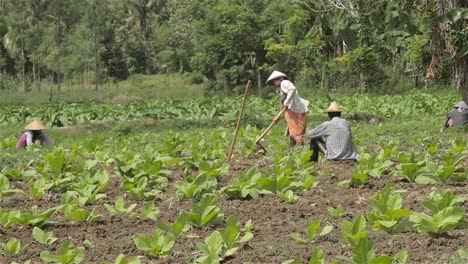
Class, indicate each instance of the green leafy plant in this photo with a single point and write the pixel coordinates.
(35, 218)
(313, 233)
(446, 215)
(5, 190)
(352, 232)
(159, 243)
(289, 196)
(275, 184)
(67, 254)
(387, 213)
(149, 211)
(363, 253)
(122, 259)
(177, 228)
(137, 188)
(74, 213)
(337, 212)
(43, 237)
(195, 187)
(204, 213)
(244, 186)
(119, 207)
(444, 172)
(40, 187)
(212, 249)
(7, 219)
(411, 166)
(232, 236)
(12, 247)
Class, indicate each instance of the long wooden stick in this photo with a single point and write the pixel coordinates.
(247, 87)
(270, 126)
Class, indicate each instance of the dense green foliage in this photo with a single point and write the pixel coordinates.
(82, 172)
(357, 106)
(363, 45)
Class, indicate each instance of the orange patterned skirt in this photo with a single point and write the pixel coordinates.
(297, 124)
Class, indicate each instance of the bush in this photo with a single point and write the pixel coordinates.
(197, 78)
(8, 83)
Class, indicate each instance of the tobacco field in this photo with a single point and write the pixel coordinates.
(148, 182)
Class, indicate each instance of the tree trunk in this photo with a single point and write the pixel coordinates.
(39, 77)
(460, 77)
(23, 62)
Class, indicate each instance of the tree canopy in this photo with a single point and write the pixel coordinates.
(365, 45)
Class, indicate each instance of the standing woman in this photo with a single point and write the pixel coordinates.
(33, 133)
(297, 107)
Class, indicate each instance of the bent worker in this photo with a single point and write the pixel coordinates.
(459, 116)
(296, 107)
(337, 131)
(33, 134)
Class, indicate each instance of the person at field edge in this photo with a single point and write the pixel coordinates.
(296, 107)
(32, 135)
(459, 116)
(337, 131)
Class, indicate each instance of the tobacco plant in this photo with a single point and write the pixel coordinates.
(119, 207)
(12, 247)
(204, 213)
(67, 254)
(313, 233)
(445, 213)
(387, 213)
(43, 237)
(244, 186)
(159, 243)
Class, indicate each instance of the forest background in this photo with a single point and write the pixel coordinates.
(341, 46)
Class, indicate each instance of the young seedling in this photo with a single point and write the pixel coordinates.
(212, 249)
(387, 213)
(364, 253)
(12, 247)
(312, 233)
(158, 244)
(232, 236)
(352, 232)
(5, 190)
(289, 196)
(244, 186)
(38, 219)
(337, 212)
(204, 213)
(43, 237)
(74, 213)
(67, 254)
(179, 227)
(149, 211)
(122, 259)
(7, 219)
(446, 215)
(119, 207)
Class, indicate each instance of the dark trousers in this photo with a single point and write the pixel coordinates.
(317, 146)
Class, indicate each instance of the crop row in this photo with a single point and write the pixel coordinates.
(79, 114)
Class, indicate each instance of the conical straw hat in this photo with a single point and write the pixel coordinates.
(35, 125)
(276, 75)
(333, 108)
(461, 104)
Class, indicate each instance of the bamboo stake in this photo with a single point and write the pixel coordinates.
(229, 156)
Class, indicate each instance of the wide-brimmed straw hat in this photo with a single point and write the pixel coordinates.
(35, 125)
(461, 104)
(333, 108)
(276, 75)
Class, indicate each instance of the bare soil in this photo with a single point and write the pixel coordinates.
(274, 221)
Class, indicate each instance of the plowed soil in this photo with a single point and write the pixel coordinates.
(274, 221)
